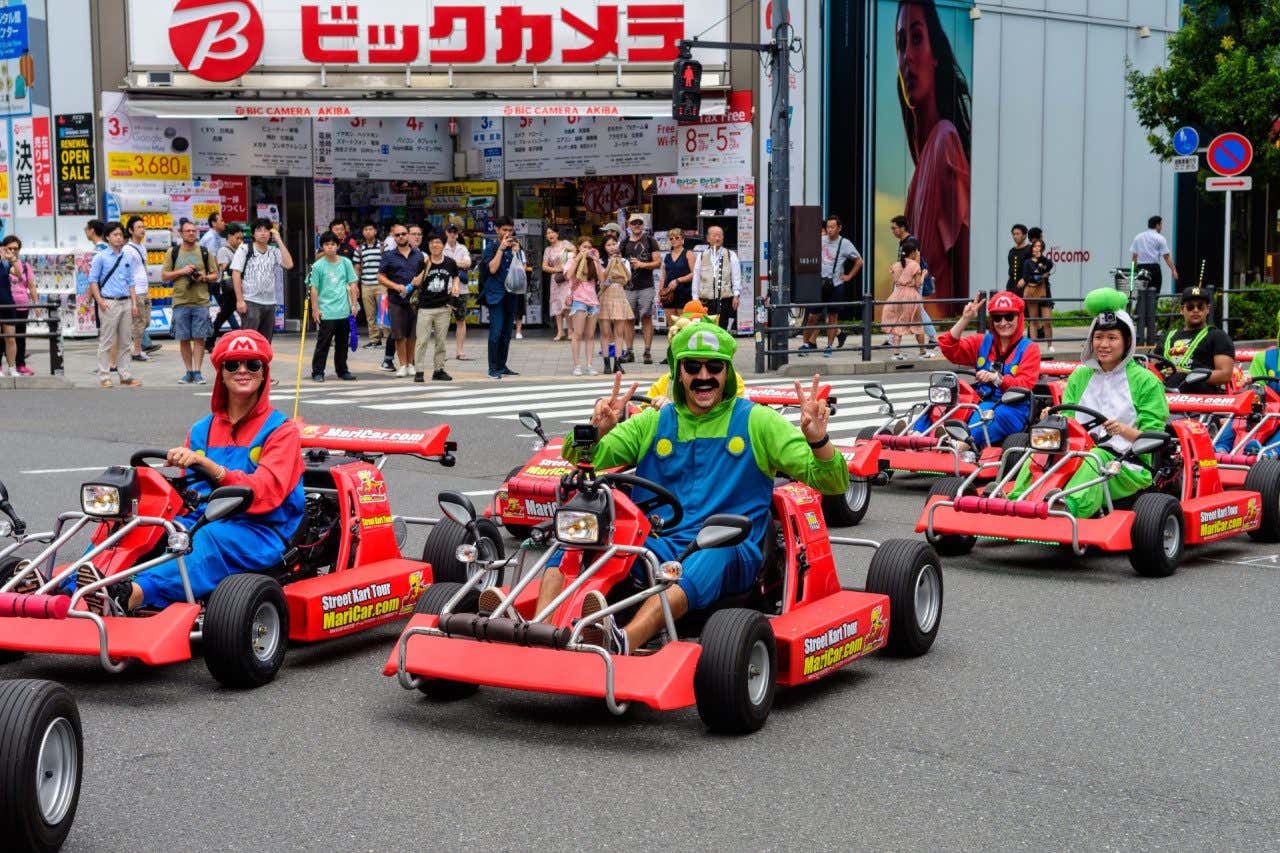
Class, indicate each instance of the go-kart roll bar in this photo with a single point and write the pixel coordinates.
(23, 539)
(49, 554)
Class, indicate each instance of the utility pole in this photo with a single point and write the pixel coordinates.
(778, 50)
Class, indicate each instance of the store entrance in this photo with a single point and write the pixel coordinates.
(291, 203)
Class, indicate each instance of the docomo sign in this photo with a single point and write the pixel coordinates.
(220, 40)
(216, 40)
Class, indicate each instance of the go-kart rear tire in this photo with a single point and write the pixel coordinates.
(949, 544)
(1157, 536)
(41, 763)
(6, 572)
(442, 545)
(848, 508)
(246, 630)
(735, 679)
(910, 573)
(432, 602)
(1264, 478)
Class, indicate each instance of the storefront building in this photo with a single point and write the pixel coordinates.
(552, 111)
(969, 117)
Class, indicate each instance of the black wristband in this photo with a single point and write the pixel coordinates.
(818, 445)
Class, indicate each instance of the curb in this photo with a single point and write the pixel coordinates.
(34, 383)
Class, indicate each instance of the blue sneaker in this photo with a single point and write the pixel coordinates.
(494, 374)
(186, 378)
(826, 353)
(198, 378)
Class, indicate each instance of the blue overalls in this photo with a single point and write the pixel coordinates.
(710, 475)
(1227, 439)
(1007, 419)
(241, 543)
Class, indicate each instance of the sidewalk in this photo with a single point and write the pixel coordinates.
(535, 358)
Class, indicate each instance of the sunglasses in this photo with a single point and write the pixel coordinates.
(1004, 318)
(1195, 306)
(694, 366)
(233, 365)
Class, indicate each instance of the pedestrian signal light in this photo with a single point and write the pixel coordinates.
(686, 90)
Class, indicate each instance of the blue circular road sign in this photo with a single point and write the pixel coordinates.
(1186, 141)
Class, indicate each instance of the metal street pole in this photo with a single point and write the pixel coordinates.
(780, 189)
(1226, 261)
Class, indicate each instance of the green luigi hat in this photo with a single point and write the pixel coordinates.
(701, 340)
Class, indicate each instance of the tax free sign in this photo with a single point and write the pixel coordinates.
(221, 40)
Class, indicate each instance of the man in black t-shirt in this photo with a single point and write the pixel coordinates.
(642, 251)
(1017, 256)
(1198, 345)
(439, 286)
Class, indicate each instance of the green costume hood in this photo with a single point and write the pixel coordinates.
(702, 339)
(1107, 305)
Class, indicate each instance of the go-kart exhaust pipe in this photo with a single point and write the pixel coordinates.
(499, 629)
(16, 604)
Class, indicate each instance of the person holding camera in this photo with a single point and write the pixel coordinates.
(501, 300)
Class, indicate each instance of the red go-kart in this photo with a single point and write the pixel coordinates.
(942, 447)
(795, 625)
(1187, 503)
(527, 496)
(342, 572)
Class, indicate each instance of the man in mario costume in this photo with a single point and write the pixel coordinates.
(244, 442)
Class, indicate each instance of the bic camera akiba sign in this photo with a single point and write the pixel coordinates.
(220, 40)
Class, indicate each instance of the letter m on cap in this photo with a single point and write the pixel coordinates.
(242, 343)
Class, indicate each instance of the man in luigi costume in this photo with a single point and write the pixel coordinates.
(1109, 381)
(1198, 345)
(719, 453)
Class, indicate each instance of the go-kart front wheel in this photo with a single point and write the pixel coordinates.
(910, 573)
(847, 509)
(1011, 451)
(1264, 478)
(1157, 535)
(432, 602)
(442, 546)
(41, 763)
(949, 544)
(734, 681)
(246, 630)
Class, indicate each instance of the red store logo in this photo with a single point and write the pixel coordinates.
(216, 40)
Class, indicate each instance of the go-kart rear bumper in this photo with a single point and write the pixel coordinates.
(1110, 532)
(663, 680)
(154, 640)
(945, 462)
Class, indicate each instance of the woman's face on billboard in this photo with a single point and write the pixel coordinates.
(916, 63)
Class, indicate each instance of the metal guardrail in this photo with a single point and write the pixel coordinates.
(53, 336)
(773, 348)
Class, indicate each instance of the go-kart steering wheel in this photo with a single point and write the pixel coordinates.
(181, 482)
(662, 497)
(1096, 418)
(1159, 361)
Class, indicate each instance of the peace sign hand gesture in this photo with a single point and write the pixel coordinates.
(609, 410)
(813, 412)
(971, 309)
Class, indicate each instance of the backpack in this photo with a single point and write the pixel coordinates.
(204, 257)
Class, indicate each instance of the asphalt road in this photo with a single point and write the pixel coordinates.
(1061, 708)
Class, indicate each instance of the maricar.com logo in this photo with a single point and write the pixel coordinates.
(216, 40)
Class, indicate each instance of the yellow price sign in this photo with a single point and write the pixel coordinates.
(201, 212)
(126, 166)
(155, 220)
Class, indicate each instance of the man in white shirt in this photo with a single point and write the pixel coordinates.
(226, 296)
(1148, 249)
(213, 239)
(462, 257)
(142, 345)
(717, 278)
(253, 274)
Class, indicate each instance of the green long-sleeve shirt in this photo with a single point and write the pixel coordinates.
(777, 445)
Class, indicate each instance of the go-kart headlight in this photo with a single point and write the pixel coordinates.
(101, 501)
(1047, 439)
(940, 395)
(575, 527)
(669, 572)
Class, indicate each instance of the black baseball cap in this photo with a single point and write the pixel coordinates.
(451, 227)
(1196, 294)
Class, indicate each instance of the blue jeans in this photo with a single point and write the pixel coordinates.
(1228, 439)
(219, 549)
(1006, 421)
(502, 318)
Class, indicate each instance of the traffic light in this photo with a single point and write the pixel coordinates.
(686, 90)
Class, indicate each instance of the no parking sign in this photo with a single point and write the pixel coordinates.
(1230, 154)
